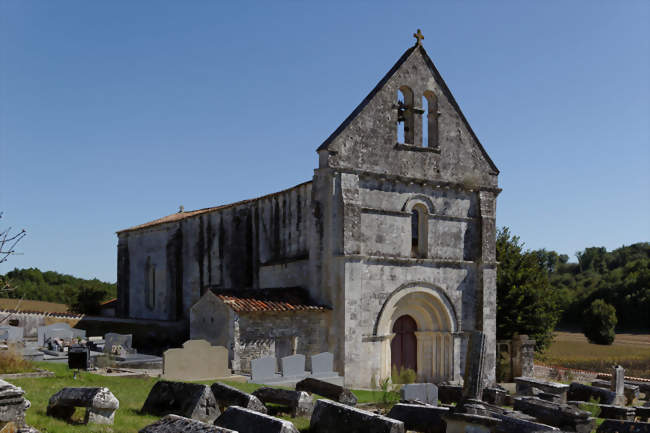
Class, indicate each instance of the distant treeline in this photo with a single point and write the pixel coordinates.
(52, 286)
(620, 277)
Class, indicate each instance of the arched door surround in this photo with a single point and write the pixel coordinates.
(437, 335)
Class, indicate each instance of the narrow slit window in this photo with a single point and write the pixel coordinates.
(419, 231)
(150, 284)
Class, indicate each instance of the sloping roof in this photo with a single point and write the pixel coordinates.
(269, 300)
(387, 77)
(186, 214)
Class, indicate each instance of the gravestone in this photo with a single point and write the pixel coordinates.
(474, 379)
(424, 419)
(227, 396)
(264, 369)
(249, 421)
(12, 404)
(420, 392)
(113, 339)
(58, 330)
(618, 385)
(300, 403)
(100, 404)
(190, 400)
(293, 367)
(328, 390)
(322, 365)
(197, 360)
(11, 333)
(333, 417)
(178, 424)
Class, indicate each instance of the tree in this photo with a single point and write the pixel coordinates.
(526, 303)
(89, 301)
(599, 322)
(8, 242)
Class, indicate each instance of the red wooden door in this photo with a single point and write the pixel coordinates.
(403, 348)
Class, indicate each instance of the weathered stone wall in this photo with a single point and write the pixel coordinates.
(363, 194)
(279, 335)
(261, 243)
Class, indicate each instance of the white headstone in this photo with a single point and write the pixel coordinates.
(322, 365)
(263, 369)
(422, 392)
(293, 366)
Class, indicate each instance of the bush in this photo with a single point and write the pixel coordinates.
(599, 322)
(403, 376)
(11, 361)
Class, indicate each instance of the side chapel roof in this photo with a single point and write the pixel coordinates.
(288, 299)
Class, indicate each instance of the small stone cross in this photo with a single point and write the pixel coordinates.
(419, 37)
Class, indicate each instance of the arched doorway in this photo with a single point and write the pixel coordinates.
(419, 330)
(403, 347)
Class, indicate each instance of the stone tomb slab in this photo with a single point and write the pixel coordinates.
(249, 421)
(420, 392)
(197, 360)
(293, 367)
(12, 404)
(190, 400)
(333, 417)
(264, 370)
(419, 418)
(227, 396)
(177, 424)
(100, 404)
(299, 402)
(328, 390)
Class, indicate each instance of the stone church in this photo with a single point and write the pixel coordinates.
(386, 257)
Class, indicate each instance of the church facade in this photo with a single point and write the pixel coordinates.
(386, 258)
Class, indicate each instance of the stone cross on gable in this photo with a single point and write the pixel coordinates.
(419, 37)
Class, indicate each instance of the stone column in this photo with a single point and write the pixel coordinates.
(487, 289)
(384, 362)
(618, 385)
(425, 355)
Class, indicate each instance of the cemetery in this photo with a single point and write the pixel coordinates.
(195, 390)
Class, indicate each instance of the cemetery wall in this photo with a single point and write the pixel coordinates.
(279, 334)
(31, 320)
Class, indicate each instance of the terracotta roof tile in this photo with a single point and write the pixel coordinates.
(269, 300)
(186, 214)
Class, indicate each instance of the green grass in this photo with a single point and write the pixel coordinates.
(130, 391)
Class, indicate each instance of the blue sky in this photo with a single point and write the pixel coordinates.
(115, 113)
